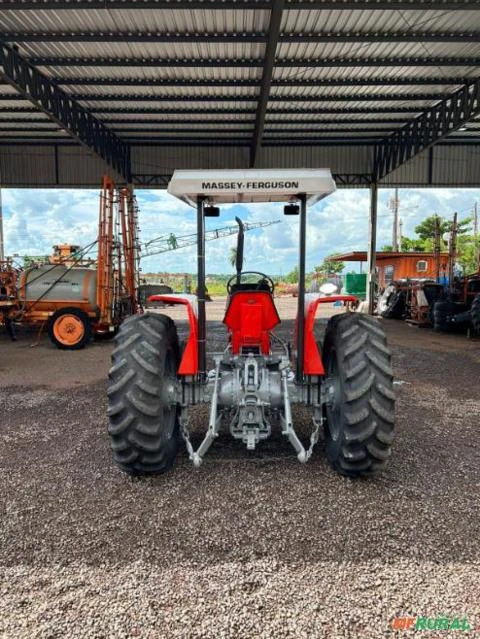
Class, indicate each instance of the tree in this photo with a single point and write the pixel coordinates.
(426, 230)
(413, 244)
(328, 266)
(467, 252)
(292, 277)
(232, 258)
(408, 244)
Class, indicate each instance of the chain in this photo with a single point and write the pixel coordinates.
(186, 436)
(314, 436)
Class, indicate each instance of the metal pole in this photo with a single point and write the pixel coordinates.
(2, 246)
(437, 247)
(395, 203)
(372, 247)
(452, 253)
(202, 357)
(475, 236)
(301, 288)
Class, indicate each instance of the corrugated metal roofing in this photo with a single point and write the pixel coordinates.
(346, 76)
(139, 21)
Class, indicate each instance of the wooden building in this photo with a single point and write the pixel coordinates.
(393, 265)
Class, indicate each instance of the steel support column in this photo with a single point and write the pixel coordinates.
(301, 288)
(202, 326)
(372, 247)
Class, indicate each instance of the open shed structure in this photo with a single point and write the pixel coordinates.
(379, 91)
(382, 92)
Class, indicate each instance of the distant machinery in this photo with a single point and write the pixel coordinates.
(75, 296)
(171, 242)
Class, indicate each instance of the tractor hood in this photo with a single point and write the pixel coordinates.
(251, 185)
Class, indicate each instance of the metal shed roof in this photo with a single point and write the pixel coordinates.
(270, 78)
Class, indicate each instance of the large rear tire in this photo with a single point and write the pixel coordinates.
(143, 414)
(360, 408)
(475, 314)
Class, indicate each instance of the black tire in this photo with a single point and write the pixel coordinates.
(79, 318)
(442, 311)
(143, 420)
(395, 306)
(360, 410)
(475, 314)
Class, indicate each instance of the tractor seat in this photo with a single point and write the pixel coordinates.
(250, 316)
(250, 286)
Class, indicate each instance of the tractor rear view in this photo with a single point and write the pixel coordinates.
(346, 381)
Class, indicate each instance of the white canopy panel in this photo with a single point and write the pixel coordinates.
(251, 185)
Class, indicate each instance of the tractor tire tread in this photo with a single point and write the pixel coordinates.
(144, 431)
(475, 314)
(368, 397)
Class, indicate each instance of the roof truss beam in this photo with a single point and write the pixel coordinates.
(233, 111)
(236, 37)
(233, 122)
(380, 5)
(159, 132)
(267, 75)
(63, 110)
(432, 126)
(271, 111)
(297, 82)
(104, 61)
(367, 97)
(67, 141)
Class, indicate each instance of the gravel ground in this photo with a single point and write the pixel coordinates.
(249, 545)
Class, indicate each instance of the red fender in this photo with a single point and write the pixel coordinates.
(312, 359)
(189, 363)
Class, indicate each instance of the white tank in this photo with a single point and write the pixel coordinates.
(58, 283)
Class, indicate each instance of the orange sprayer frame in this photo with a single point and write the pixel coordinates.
(104, 263)
(128, 223)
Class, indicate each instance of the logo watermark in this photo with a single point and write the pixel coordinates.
(441, 622)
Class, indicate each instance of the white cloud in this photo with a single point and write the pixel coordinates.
(34, 220)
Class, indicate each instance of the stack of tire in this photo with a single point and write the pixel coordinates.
(391, 304)
(443, 313)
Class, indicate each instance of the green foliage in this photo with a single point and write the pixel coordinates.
(328, 266)
(409, 244)
(292, 277)
(467, 253)
(413, 244)
(232, 258)
(426, 230)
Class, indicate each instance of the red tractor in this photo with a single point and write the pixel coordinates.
(346, 381)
